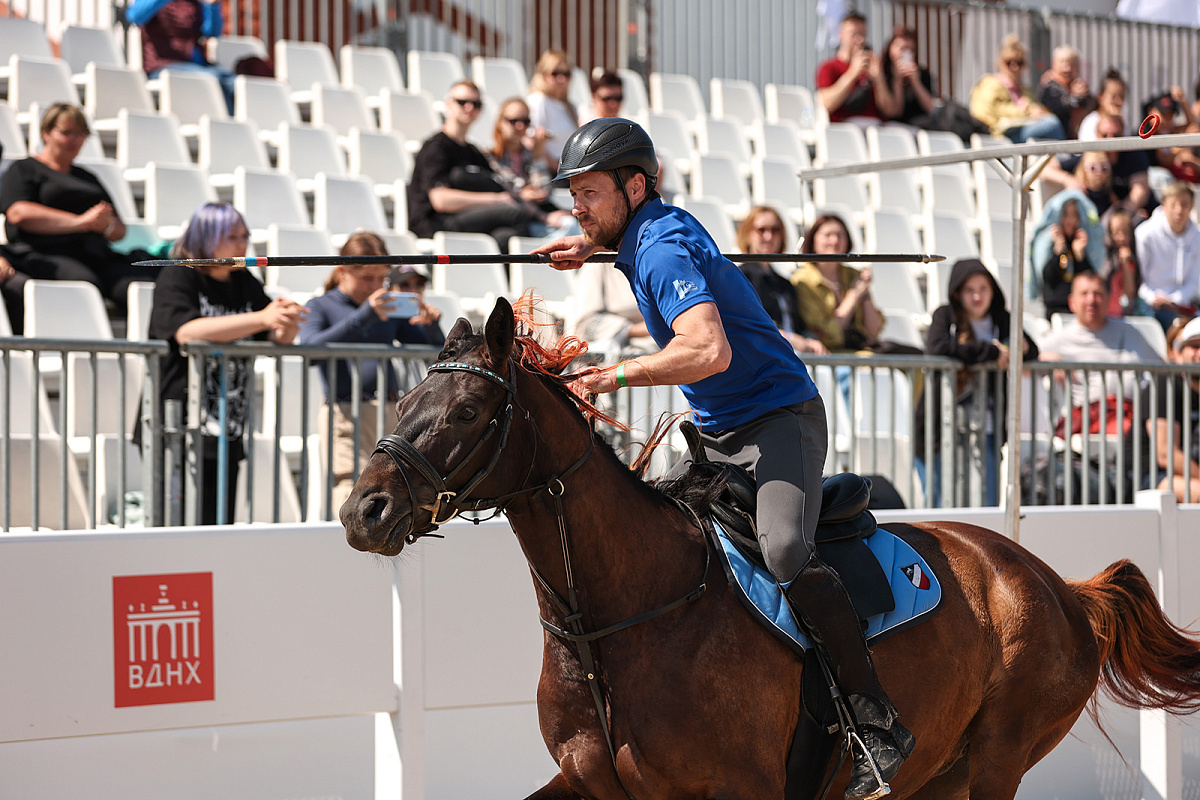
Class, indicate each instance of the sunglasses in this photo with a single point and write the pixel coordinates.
(560, 73)
(1015, 63)
(519, 121)
(768, 229)
(468, 103)
(610, 98)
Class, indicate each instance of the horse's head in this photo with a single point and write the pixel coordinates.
(450, 437)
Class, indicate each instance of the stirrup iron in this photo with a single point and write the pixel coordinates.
(883, 789)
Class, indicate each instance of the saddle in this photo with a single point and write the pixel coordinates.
(843, 525)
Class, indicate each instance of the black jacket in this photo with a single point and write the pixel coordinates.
(945, 339)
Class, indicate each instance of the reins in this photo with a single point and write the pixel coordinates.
(572, 631)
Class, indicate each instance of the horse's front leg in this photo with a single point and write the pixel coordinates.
(556, 789)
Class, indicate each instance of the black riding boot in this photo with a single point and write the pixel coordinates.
(818, 596)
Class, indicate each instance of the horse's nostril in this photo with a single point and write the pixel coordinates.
(375, 509)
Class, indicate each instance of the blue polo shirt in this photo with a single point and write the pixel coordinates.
(673, 264)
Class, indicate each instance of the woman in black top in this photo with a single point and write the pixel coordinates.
(909, 84)
(763, 232)
(59, 219)
(216, 304)
(973, 328)
(1068, 258)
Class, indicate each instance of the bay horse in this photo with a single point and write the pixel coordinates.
(696, 700)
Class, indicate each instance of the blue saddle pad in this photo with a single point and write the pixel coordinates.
(914, 586)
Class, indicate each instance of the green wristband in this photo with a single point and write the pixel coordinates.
(621, 376)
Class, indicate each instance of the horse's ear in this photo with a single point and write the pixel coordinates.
(460, 329)
(499, 332)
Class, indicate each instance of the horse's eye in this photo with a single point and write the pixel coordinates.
(468, 414)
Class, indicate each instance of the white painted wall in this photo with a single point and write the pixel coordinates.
(302, 629)
(307, 664)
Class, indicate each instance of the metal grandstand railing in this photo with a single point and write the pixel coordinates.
(871, 404)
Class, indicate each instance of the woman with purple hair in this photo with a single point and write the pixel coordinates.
(216, 304)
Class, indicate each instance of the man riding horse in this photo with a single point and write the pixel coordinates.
(754, 401)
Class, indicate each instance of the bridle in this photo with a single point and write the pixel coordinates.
(447, 502)
(572, 631)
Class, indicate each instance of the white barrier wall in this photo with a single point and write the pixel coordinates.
(302, 657)
(192, 663)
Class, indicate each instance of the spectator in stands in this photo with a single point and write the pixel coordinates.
(12, 288)
(608, 315)
(1064, 92)
(356, 307)
(910, 86)
(59, 219)
(973, 328)
(1130, 181)
(453, 187)
(1168, 250)
(608, 92)
(1196, 99)
(763, 232)
(520, 163)
(216, 304)
(1179, 410)
(1093, 336)
(1181, 162)
(549, 107)
(835, 299)
(1008, 107)
(851, 85)
(1121, 271)
(1094, 174)
(1110, 102)
(1069, 223)
(173, 36)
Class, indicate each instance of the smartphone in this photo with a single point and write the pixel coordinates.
(402, 305)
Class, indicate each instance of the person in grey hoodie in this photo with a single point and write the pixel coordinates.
(1168, 249)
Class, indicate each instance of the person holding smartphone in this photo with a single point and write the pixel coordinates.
(357, 306)
(911, 98)
(850, 85)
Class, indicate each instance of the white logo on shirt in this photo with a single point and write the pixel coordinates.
(684, 288)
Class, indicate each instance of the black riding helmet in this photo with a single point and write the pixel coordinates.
(606, 145)
(610, 144)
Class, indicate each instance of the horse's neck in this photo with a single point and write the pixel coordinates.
(628, 546)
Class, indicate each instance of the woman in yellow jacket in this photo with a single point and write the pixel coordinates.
(835, 299)
(1008, 107)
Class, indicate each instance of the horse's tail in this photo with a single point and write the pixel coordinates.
(1146, 660)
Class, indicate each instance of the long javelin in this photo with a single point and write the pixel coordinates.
(495, 258)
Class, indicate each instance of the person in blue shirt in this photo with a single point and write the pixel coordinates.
(354, 308)
(753, 398)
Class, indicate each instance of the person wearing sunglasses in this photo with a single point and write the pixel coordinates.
(453, 187)
(762, 232)
(520, 163)
(1129, 174)
(549, 107)
(608, 93)
(1007, 106)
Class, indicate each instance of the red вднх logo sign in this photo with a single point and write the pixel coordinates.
(162, 638)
